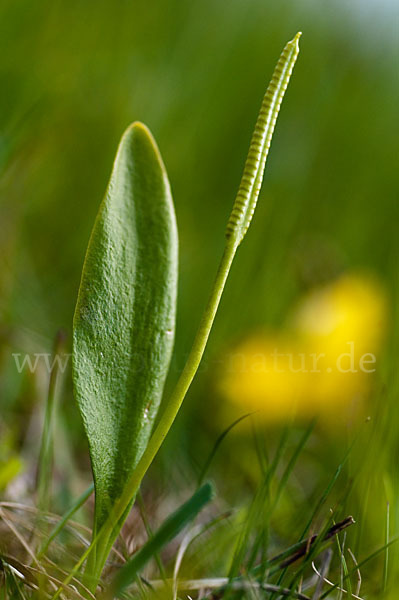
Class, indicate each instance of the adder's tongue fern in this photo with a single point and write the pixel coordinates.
(141, 215)
(252, 177)
(237, 226)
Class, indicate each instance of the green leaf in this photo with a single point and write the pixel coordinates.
(124, 321)
(169, 529)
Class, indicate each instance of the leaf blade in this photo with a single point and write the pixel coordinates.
(124, 320)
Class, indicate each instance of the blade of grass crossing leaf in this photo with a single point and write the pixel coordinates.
(168, 530)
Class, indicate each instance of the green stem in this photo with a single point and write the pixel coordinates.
(172, 408)
(186, 377)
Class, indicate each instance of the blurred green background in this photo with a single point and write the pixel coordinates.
(74, 74)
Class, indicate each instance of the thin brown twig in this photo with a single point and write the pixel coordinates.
(304, 548)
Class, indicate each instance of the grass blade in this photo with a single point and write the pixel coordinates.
(168, 530)
(216, 445)
(67, 516)
(45, 462)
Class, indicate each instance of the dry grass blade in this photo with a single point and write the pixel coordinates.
(328, 582)
(323, 573)
(8, 522)
(76, 529)
(40, 569)
(359, 575)
(218, 583)
(30, 576)
(187, 539)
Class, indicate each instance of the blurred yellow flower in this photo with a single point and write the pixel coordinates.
(323, 361)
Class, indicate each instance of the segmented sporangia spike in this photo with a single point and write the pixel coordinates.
(252, 177)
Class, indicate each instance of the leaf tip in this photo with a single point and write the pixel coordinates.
(138, 132)
(138, 126)
(209, 490)
(138, 129)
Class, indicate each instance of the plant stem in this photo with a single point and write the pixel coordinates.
(187, 375)
(171, 409)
